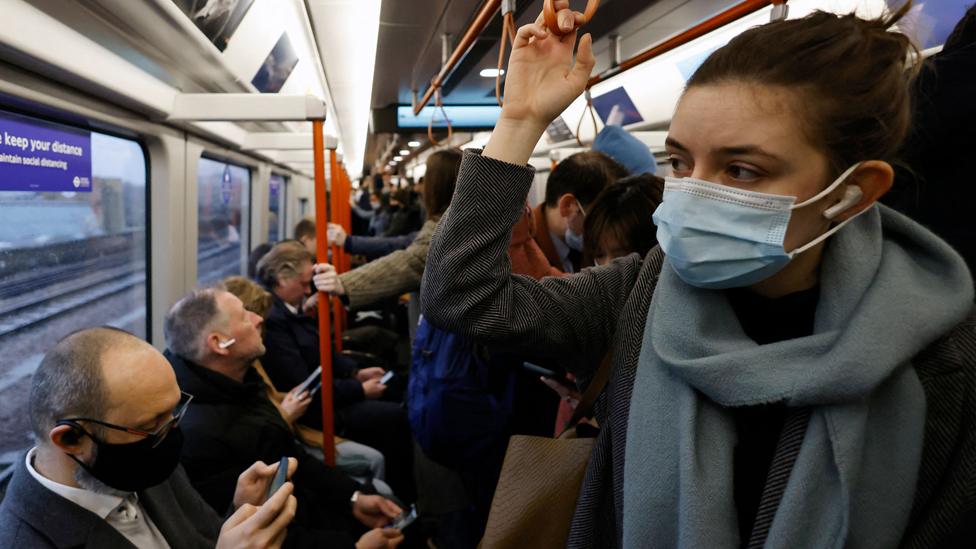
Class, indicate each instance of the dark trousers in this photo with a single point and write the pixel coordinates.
(383, 425)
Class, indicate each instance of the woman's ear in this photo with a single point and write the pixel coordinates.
(874, 178)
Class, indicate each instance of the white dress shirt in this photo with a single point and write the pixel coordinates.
(125, 514)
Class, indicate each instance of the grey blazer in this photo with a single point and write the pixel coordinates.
(468, 288)
(32, 516)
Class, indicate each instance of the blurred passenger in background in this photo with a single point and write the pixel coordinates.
(292, 340)
(630, 152)
(619, 222)
(305, 234)
(407, 216)
(933, 185)
(571, 188)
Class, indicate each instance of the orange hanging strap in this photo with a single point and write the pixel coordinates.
(325, 329)
(438, 104)
(508, 38)
(589, 109)
(549, 15)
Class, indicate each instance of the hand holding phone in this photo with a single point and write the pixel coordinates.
(385, 380)
(405, 518)
(310, 381)
(549, 374)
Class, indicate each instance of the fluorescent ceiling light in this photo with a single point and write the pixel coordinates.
(397, 158)
(414, 144)
(491, 73)
(337, 24)
(404, 152)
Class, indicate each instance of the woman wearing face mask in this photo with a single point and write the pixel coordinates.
(798, 367)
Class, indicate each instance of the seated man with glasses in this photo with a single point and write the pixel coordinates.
(212, 343)
(105, 410)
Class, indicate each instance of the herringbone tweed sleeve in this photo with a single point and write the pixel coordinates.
(468, 286)
(390, 275)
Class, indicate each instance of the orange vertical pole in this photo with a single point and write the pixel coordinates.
(337, 308)
(325, 330)
(344, 214)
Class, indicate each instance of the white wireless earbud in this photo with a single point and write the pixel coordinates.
(852, 195)
(228, 343)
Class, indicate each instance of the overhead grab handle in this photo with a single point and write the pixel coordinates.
(438, 104)
(508, 38)
(588, 109)
(549, 14)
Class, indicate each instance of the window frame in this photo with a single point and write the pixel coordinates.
(245, 232)
(282, 201)
(30, 109)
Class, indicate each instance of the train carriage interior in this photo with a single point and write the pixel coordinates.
(219, 214)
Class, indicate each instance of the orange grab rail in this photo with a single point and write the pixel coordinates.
(337, 307)
(322, 250)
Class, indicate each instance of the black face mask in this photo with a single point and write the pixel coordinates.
(135, 466)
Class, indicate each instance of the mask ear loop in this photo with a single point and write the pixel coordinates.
(850, 198)
(830, 188)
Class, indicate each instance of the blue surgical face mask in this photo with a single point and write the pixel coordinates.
(718, 237)
(574, 240)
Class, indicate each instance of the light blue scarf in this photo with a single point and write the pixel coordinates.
(889, 288)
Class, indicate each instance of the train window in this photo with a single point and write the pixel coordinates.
(69, 259)
(276, 197)
(222, 223)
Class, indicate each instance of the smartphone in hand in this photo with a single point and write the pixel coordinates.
(280, 476)
(549, 374)
(405, 518)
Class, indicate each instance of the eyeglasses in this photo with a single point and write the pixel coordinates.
(156, 436)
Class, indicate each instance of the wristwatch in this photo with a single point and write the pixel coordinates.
(354, 498)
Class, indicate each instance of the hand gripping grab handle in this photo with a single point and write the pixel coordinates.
(549, 14)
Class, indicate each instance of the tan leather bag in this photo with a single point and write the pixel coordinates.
(540, 482)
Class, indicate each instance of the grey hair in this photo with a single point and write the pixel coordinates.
(189, 321)
(69, 380)
(283, 261)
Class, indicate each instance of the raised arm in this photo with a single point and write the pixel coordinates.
(388, 276)
(469, 287)
(374, 247)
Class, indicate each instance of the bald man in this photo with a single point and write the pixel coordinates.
(105, 410)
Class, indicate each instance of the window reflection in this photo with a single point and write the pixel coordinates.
(68, 260)
(222, 224)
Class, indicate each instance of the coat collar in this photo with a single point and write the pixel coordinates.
(208, 386)
(64, 523)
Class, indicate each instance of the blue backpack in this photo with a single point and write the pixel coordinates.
(459, 397)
